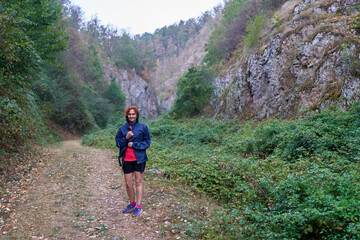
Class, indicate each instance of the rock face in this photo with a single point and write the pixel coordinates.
(312, 64)
(138, 92)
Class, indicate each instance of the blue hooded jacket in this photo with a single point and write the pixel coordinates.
(141, 140)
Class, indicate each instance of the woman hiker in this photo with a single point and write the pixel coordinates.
(133, 138)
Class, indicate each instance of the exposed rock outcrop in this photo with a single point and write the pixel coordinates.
(313, 63)
(138, 92)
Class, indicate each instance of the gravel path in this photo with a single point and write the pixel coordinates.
(79, 194)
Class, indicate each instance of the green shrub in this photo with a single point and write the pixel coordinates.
(332, 136)
(253, 30)
(20, 123)
(102, 138)
(263, 140)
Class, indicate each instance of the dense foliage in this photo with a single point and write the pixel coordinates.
(32, 37)
(30, 34)
(194, 92)
(273, 180)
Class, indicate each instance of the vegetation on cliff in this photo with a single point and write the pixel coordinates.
(237, 24)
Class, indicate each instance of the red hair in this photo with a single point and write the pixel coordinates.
(129, 108)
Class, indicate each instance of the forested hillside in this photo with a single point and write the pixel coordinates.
(59, 70)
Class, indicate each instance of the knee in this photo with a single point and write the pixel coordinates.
(139, 182)
(129, 184)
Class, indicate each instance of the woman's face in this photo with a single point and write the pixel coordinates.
(132, 116)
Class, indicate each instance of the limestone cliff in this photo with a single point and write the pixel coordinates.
(309, 59)
(138, 92)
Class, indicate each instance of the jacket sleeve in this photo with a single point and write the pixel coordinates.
(145, 143)
(121, 140)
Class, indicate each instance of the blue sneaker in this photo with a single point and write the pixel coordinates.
(137, 212)
(129, 208)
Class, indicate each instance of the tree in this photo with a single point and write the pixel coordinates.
(194, 92)
(74, 16)
(94, 69)
(68, 103)
(117, 100)
(99, 107)
(30, 33)
(115, 95)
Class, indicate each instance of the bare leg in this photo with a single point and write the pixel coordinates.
(139, 187)
(130, 186)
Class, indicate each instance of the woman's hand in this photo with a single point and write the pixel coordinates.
(130, 144)
(129, 135)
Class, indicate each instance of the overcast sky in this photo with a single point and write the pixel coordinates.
(139, 16)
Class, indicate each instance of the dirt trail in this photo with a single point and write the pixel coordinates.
(79, 194)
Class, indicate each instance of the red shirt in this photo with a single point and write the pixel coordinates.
(129, 152)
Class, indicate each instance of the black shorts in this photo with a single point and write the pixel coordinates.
(131, 166)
